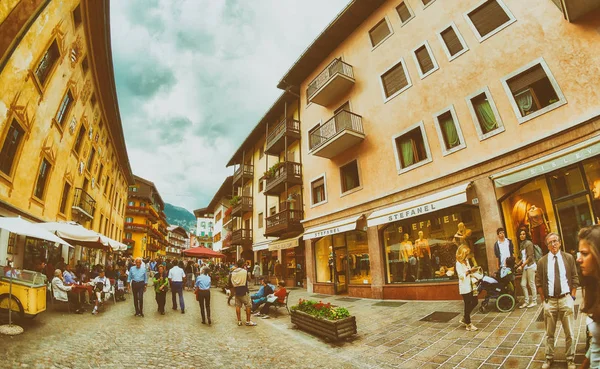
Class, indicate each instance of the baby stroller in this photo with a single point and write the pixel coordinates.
(501, 289)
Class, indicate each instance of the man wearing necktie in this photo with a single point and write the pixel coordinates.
(557, 283)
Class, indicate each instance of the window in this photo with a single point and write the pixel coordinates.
(132, 188)
(47, 63)
(411, 148)
(91, 159)
(489, 18)
(453, 42)
(485, 114)
(349, 176)
(42, 179)
(272, 211)
(380, 32)
(79, 139)
(93, 100)
(77, 16)
(65, 197)
(218, 216)
(63, 109)
(261, 152)
(10, 147)
(142, 204)
(261, 185)
(12, 244)
(449, 131)
(128, 236)
(203, 224)
(318, 191)
(85, 65)
(129, 220)
(534, 91)
(106, 186)
(425, 60)
(100, 173)
(395, 80)
(426, 3)
(260, 220)
(404, 12)
(131, 203)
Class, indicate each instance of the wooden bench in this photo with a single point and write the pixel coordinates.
(284, 304)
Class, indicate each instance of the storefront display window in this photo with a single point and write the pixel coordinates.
(423, 249)
(592, 172)
(343, 258)
(358, 258)
(324, 259)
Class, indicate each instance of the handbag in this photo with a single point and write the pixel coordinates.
(475, 279)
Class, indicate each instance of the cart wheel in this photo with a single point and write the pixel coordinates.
(14, 304)
(505, 303)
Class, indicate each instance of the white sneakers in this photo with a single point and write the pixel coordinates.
(528, 305)
(533, 304)
(523, 305)
(471, 327)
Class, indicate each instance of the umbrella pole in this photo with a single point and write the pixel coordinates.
(10, 329)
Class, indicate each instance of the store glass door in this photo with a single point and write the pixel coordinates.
(341, 270)
(573, 214)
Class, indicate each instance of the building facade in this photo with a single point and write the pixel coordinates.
(63, 154)
(205, 227)
(177, 241)
(426, 126)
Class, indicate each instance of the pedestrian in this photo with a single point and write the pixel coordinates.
(203, 293)
(161, 286)
(239, 279)
(256, 273)
(557, 283)
(503, 247)
(589, 259)
(176, 280)
(528, 265)
(189, 273)
(137, 280)
(465, 285)
(278, 268)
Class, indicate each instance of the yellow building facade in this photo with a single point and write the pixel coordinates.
(63, 154)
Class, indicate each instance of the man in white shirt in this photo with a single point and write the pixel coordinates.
(176, 280)
(101, 286)
(503, 248)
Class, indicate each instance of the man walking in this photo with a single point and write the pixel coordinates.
(503, 248)
(138, 279)
(557, 283)
(239, 279)
(176, 279)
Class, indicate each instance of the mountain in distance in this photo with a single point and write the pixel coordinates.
(180, 216)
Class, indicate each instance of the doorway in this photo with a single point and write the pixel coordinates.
(573, 214)
(340, 262)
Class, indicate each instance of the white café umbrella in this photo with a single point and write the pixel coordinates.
(114, 244)
(73, 231)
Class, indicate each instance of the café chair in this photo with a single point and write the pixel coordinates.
(56, 302)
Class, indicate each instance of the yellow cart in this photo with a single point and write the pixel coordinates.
(28, 294)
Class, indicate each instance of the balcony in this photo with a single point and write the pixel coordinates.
(163, 230)
(136, 227)
(331, 84)
(152, 246)
(276, 139)
(245, 171)
(83, 204)
(286, 172)
(241, 237)
(243, 205)
(336, 135)
(129, 242)
(284, 222)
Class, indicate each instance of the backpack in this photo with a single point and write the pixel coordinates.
(537, 253)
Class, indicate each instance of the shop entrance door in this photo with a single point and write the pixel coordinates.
(340, 270)
(573, 214)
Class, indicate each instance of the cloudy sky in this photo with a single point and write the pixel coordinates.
(195, 76)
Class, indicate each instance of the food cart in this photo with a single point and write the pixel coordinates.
(28, 293)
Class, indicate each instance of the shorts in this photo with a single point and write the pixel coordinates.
(243, 300)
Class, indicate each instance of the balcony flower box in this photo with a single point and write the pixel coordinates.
(323, 320)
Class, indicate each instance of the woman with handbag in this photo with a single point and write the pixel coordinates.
(589, 259)
(161, 286)
(203, 294)
(465, 285)
(528, 266)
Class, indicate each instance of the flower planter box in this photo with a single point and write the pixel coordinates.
(333, 329)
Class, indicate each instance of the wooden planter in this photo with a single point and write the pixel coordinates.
(333, 329)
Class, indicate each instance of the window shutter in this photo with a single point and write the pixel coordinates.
(488, 17)
(394, 80)
(451, 40)
(403, 12)
(318, 182)
(425, 62)
(379, 32)
(526, 78)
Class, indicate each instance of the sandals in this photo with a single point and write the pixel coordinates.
(250, 324)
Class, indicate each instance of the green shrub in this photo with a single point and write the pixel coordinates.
(321, 310)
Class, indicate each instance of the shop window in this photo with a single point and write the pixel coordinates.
(260, 220)
(425, 61)
(484, 114)
(489, 18)
(534, 91)
(591, 169)
(566, 182)
(411, 148)
(79, 140)
(65, 197)
(318, 193)
(423, 249)
(449, 132)
(324, 259)
(42, 179)
(380, 32)
(404, 12)
(12, 244)
(11, 147)
(47, 63)
(395, 80)
(37, 251)
(359, 264)
(349, 176)
(453, 42)
(64, 108)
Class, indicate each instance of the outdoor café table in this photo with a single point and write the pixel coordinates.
(82, 288)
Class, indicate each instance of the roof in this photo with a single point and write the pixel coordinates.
(223, 192)
(260, 128)
(140, 180)
(177, 229)
(332, 36)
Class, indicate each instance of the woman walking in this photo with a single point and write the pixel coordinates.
(589, 259)
(465, 287)
(161, 286)
(528, 265)
(203, 293)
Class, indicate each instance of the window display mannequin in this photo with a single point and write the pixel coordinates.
(330, 263)
(463, 237)
(423, 252)
(406, 251)
(538, 226)
(595, 186)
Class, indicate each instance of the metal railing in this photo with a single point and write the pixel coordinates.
(335, 67)
(287, 124)
(287, 171)
(282, 220)
(241, 235)
(343, 120)
(243, 170)
(84, 201)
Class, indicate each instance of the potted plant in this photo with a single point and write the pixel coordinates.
(234, 200)
(324, 320)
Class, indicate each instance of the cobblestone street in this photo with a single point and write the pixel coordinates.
(390, 334)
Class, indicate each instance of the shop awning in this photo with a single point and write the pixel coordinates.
(285, 244)
(428, 204)
(547, 164)
(262, 245)
(339, 226)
